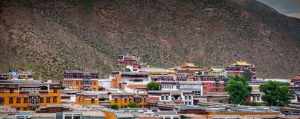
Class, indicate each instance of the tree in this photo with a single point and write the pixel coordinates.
(114, 106)
(275, 93)
(132, 105)
(153, 86)
(247, 74)
(238, 89)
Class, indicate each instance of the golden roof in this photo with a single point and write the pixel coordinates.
(188, 65)
(243, 63)
(158, 70)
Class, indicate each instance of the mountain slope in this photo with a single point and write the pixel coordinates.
(51, 36)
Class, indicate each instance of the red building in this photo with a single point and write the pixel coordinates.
(186, 71)
(295, 85)
(211, 84)
(129, 60)
(241, 68)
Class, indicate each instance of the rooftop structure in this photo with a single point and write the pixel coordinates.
(17, 75)
(241, 68)
(157, 71)
(132, 82)
(79, 80)
(129, 60)
(78, 74)
(188, 68)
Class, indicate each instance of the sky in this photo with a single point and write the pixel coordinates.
(287, 7)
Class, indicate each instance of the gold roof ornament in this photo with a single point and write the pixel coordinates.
(241, 63)
(188, 65)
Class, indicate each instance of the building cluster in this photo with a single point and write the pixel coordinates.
(182, 92)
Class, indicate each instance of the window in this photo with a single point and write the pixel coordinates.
(167, 97)
(18, 100)
(26, 100)
(1, 100)
(162, 97)
(76, 117)
(125, 100)
(41, 100)
(11, 90)
(11, 100)
(198, 93)
(116, 100)
(54, 99)
(68, 117)
(101, 99)
(48, 100)
(55, 91)
(93, 100)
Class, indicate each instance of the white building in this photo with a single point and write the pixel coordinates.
(105, 83)
(177, 97)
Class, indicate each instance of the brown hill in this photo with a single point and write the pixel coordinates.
(49, 36)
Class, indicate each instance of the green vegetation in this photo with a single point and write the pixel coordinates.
(132, 104)
(88, 5)
(275, 93)
(247, 74)
(203, 105)
(153, 86)
(24, 3)
(238, 89)
(114, 106)
(255, 103)
(184, 117)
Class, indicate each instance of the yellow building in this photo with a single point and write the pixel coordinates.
(28, 94)
(92, 98)
(116, 80)
(79, 80)
(123, 99)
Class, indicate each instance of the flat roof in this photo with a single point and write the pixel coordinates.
(93, 113)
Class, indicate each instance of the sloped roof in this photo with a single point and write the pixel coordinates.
(243, 63)
(296, 78)
(136, 86)
(188, 65)
(153, 70)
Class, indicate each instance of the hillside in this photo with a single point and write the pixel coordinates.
(52, 35)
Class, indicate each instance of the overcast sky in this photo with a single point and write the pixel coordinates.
(287, 7)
